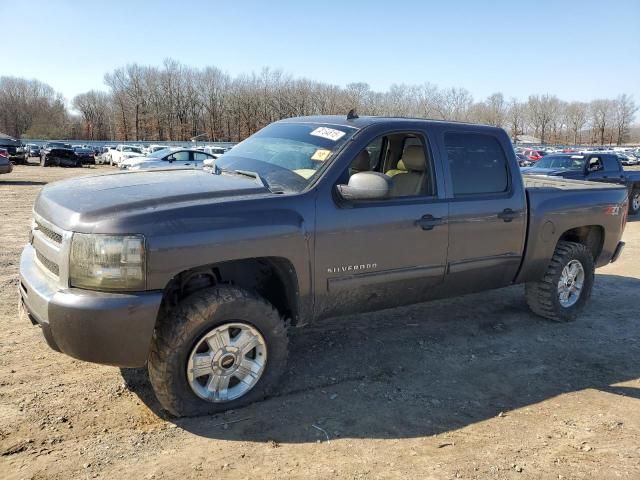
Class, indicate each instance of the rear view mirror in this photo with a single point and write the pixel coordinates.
(365, 186)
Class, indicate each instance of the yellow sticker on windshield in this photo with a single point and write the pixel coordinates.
(321, 155)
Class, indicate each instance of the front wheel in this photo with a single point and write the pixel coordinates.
(566, 284)
(634, 202)
(221, 348)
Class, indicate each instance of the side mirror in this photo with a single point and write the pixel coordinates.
(366, 186)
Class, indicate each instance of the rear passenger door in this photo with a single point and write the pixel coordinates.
(604, 168)
(487, 213)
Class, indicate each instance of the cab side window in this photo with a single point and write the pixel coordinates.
(595, 164)
(477, 163)
(405, 158)
(611, 163)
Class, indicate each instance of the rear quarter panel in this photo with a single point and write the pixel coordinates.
(558, 205)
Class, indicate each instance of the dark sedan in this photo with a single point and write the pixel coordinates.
(60, 157)
(14, 147)
(87, 156)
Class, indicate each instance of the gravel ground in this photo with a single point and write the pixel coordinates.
(472, 387)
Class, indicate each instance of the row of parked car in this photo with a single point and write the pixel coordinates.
(592, 165)
(527, 156)
(61, 154)
(130, 157)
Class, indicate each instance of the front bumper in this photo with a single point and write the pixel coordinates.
(108, 328)
(6, 168)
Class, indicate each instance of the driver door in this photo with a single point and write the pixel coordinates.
(179, 159)
(374, 254)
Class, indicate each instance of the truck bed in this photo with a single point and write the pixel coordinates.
(540, 182)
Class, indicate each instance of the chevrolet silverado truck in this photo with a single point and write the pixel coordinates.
(199, 274)
(592, 166)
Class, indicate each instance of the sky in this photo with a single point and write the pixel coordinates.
(577, 50)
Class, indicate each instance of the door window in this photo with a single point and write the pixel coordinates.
(611, 163)
(477, 163)
(201, 157)
(404, 158)
(595, 164)
(179, 157)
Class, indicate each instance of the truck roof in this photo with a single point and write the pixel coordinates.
(365, 121)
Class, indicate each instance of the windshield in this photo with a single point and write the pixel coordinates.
(131, 149)
(160, 153)
(287, 155)
(573, 162)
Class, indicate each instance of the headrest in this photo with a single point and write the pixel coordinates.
(362, 163)
(413, 158)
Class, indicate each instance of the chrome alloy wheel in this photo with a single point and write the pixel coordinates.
(570, 284)
(226, 362)
(635, 202)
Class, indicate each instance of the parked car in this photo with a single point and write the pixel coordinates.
(168, 158)
(592, 166)
(104, 157)
(533, 155)
(14, 147)
(5, 163)
(627, 159)
(60, 157)
(215, 151)
(153, 148)
(86, 156)
(32, 150)
(122, 152)
(523, 161)
(198, 275)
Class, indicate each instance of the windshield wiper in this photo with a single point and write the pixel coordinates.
(256, 176)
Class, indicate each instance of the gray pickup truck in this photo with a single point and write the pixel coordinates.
(199, 274)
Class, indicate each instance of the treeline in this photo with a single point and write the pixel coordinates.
(177, 102)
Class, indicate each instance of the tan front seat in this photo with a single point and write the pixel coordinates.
(411, 182)
(362, 163)
(400, 168)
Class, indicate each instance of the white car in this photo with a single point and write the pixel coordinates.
(123, 152)
(168, 158)
(153, 148)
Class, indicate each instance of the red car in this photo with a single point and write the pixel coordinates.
(533, 155)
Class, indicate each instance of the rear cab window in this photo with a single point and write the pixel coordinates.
(477, 162)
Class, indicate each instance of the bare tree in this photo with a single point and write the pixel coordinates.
(577, 114)
(624, 108)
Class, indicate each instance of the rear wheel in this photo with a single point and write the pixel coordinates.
(566, 285)
(221, 348)
(634, 202)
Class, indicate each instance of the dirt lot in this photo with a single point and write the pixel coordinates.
(474, 387)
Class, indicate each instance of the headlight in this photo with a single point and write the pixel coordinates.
(107, 262)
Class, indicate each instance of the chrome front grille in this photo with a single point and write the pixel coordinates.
(51, 245)
(48, 264)
(55, 236)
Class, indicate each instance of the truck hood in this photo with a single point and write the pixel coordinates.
(71, 203)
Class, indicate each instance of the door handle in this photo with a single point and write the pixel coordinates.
(428, 222)
(507, 215)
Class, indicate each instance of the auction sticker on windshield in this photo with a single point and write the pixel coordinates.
(328, 133)
(321, 155)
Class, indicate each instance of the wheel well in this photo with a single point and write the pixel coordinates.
(274, 278)
(591, 236)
